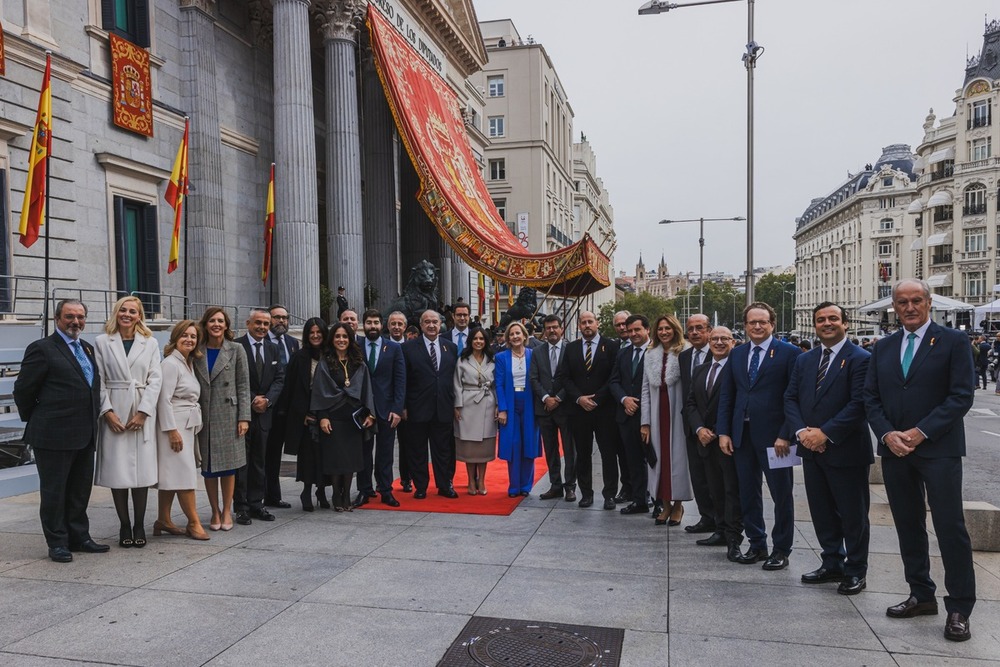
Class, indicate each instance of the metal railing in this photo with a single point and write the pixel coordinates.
(974, 209)
(22, 297)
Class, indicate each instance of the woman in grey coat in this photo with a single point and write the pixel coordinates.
(225, 407)
(475, 410)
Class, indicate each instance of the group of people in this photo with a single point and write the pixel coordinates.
(676, 413)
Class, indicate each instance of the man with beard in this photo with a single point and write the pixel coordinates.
(287, 346)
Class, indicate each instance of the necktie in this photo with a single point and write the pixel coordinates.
(588, 357)
(461, 342)
(908, 354)
(711, 378)
(434, 356)
(282, 352)
(371, 356)
(754, 363)
(824, 366)
(553, 359)
(636, 356)
(81, 357)
(259, 359)
(695, 360)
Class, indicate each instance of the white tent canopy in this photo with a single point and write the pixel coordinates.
(992, 308)
(938, 303)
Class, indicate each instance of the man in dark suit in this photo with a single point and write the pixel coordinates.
(267, 379)
(58, 396)
(350, 318)
(430, 406)
(626, 388)
(825, 409)
(550, 413)
(697, 329)
(583, 375)
(388, 373)
(287, 346)
(701, 411)
(918, 390)
(752, 420)
(396, 326)
(342, 304)
(459, 334)
(619, 320)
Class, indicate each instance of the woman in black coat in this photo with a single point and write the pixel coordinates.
(294, 403)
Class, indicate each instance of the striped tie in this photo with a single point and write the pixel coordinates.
(588, 358)
(754, 363)
(824, 366)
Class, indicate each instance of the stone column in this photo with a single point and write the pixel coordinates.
(339, 21)
(459, 277)
(296, 238)
(379, 172)
(445, 285)
(205, 241)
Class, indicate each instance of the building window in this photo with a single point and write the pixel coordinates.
(886, 202)
(6, 293)
(975, 240)
(494, 86)
(501, 205)
(981, 115)
(981, 149)
(496, 126)
(975, 283)
(137, 251)
(128, 19)
(975, 199)
(885, 247)
(498, 170)
(885, 225)
(887, 182)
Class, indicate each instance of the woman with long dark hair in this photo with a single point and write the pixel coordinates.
(301, 422)
(475, 410)
(343, 403)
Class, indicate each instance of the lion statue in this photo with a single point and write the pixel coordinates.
(524, 309)
(419, 294)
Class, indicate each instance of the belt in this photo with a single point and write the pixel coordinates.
(518, 388)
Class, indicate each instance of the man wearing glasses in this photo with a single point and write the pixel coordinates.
(698, 330)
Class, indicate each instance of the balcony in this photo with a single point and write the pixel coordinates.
(943, 214)
(943, 173)
(972, 255)
(556, 235)
(974, 209)
(976, 165)
(978, 121)
(938, 260)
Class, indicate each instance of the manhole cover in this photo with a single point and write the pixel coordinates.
(497, 642)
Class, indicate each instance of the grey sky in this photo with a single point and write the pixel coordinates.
(662, 99)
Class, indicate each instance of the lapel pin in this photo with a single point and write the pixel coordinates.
(842, 362)
(932, 341)
(772, 353)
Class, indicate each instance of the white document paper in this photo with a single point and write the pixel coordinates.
(774, 461)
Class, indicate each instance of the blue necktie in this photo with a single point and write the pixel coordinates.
(908, 354)
(754, 364)
(461, 342)
(81, 357)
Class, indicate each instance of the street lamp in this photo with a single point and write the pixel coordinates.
(701, 252)
(784, 290)
(753, 52)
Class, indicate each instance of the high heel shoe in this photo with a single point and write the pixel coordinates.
(125, 537)
(197, 535)
(159, 528)
(138, 537)
(227, 525)
(660, 519)
(321, 498)
(676, 521)
(215, 523)
(307, 503)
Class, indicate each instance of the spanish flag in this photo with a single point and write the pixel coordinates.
(496, 302)
(35, 195)
(268, 228)
(177, 189)
(481, 293)
(510, 295)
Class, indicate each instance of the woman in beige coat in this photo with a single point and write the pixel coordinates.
(129, 361)
(475, 410)
(225, 410)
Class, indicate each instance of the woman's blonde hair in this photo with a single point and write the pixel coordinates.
(677, 344)
(175, 335)
(524, 330)
(111, 326)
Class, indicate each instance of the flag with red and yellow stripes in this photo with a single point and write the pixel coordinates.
(177, 190)
(481, 293)
(265, 272)
(35, 194)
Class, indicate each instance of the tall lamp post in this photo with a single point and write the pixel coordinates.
(701, 252)
(753, 52)
(784, 290)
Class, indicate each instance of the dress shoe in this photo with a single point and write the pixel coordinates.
(419, 495)
(586, 501)
(407, 486)
(361, 500)
(733, 553)
(321, 499)
(609, 503)
(852, 585)
(448, 493)
(160, 527)
(776, 561)
(570, 496)
(280, 504)
(390, 500)
(243, 518)
(701, 527)
(911, 607)
(716, 539)
(621, 498)
(822, 575)
(513, 495)
(633, 508)
(552, 494)
(307, 503)
(262, 514)
(752, 556)
(956, 628)
(91, 547)
(61, 555)
(369, 492)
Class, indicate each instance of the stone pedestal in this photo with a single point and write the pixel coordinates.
(982, 520)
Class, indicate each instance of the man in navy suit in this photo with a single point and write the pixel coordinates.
(58, 396)
(287, 346)
(388, 372)
(430, 406)
(825, 408)
(751, 420)
(626, 388)
(698, 329)
(459, 334)
(919, 387)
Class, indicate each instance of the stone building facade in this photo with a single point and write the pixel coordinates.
(660, 283)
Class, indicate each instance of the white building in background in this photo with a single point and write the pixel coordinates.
(958, 186)
(545, 187)
(853, 243)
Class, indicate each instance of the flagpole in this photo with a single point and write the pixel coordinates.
(270, 260)
(48, 174)
(190, 314)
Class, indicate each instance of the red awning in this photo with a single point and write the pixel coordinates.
(452, 189)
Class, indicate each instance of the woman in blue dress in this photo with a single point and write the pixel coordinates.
(519, 443)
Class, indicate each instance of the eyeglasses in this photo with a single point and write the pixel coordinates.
(699, 327)
(758, 323)
(720, 339)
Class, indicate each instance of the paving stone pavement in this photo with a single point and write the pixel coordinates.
(396, 588)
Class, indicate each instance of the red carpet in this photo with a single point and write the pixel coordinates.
(494, 502)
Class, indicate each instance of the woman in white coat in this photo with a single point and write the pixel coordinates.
(129, 360)
(662, 426)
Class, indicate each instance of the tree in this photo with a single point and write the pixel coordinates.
(778, 290)
(637, 304)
